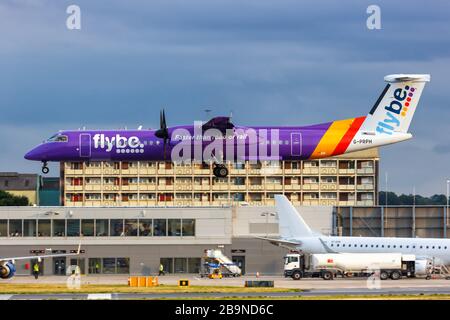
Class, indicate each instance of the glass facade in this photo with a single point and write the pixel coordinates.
(97, 228)
(181, 265)
(109, 265)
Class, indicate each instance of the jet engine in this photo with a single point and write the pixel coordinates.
(7, 270)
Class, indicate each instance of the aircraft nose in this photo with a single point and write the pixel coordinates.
(33, 154)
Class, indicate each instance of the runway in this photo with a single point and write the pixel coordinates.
(256, 295)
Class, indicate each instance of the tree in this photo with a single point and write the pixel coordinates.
(8, 199)
(403, 199)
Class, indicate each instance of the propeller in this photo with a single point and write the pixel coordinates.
(162, 132)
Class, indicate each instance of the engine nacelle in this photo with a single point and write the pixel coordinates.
(7, 270)
(423, 266)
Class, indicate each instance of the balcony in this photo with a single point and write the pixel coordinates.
(165, 187)
(147, 187)
(366, 186)
(311, 170)
(242, 187)
(202, 172)
(310, 202)
(166, 172)
(256, 187)
(292, 171)
(183, 187)
(328, 186)
(290, 187)
(310, 186)
(74, 188)
(346, 187)
(77, 172)
(328, 170)
(328, 202)
(130, 171)
(347, 203)
(93, 171)
(365, 171)
(365, 203)
(93, 187)
(346, 171)
(218, 187)
(111, 187)
(93, 203)
(111, 171)
(183, 171)
(274, 186)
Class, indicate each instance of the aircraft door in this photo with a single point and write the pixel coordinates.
(85, 145)
(296, 144)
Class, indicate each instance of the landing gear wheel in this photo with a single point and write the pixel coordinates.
(220, 171)
(45, 169)
(395, 275)
(384, 275)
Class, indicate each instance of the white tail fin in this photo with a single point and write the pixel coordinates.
(291, 223)
(395, 107)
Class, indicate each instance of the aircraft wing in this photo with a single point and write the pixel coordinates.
(43, 256)
(281, 242)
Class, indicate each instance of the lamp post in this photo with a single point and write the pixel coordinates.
(446, 210)
(267, 214)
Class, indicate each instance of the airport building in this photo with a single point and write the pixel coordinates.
(136, 240)
(346, 180)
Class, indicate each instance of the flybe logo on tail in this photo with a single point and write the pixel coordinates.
(396, 109)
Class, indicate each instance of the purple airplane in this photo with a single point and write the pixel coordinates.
(219, 140)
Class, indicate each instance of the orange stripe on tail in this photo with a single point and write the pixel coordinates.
(347, 138)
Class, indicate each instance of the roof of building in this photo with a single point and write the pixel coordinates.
(18, 181)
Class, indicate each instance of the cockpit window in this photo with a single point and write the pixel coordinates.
(58, 138)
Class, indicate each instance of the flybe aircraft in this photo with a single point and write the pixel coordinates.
(296, 234)
(8, 265)
(219, 140)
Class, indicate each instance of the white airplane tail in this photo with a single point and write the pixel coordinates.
(394, 109)
(291, 223)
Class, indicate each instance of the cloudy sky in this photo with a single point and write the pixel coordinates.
(271, 62)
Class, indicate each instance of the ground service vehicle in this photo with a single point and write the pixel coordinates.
(329, 265)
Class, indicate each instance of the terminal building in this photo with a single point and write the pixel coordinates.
(346, 180)
(134, 241)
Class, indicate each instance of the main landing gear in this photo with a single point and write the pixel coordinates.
(45, 169)
(220, 171)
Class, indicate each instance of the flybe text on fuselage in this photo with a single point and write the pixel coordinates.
(121, 143)
(397, 109)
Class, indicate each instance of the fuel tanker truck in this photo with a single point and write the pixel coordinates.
(329, 265)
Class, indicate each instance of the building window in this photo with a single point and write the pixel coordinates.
(123, 265)
(174, 227)
(29, 228)
(145, 227)
(188, 229)
(87, 228)
(95, 265)
(116, 227)
(15, 228)
(159, 227)
(73, 228)
(3, 228)
(167, 264)
(59, 227)
(131, 227)
(109, 265)
(101, 228)
(44, 228)
(180, 265)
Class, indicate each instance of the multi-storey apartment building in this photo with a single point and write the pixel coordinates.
(346, 180)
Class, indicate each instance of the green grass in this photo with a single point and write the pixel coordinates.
(11, 288)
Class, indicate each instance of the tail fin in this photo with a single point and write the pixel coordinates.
(291, 223)
(394, 109)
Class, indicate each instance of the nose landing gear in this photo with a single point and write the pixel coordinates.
(45, 169)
